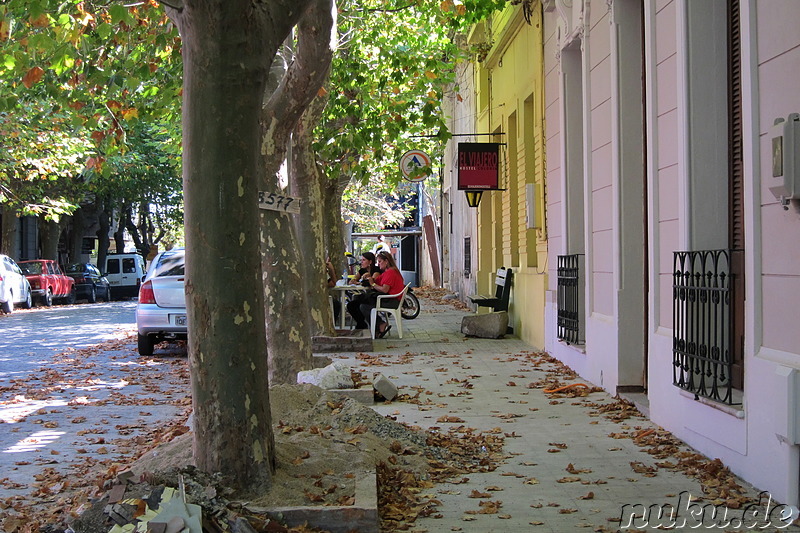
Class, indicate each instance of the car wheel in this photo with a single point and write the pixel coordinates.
(108, 294)
(8, 307)
(146, 344)
(71, 297)
(48, 298)
(93, 295)
(28, 303)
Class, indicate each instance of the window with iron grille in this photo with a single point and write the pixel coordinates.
(467, 256)
(708, 283)
(703, 315)
(570, 299)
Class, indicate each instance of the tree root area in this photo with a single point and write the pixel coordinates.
(323, 443)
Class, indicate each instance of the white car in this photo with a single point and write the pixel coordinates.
(161, 311)
(14, 286)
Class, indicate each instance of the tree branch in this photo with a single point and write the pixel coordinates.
(379, 10)
(304, 78)
(177, 5)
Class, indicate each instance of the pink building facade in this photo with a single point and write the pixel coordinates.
(675, 263)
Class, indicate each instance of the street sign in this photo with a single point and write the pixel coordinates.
(412, 162)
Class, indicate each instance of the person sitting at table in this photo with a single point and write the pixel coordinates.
(389, 281)
(368, 267)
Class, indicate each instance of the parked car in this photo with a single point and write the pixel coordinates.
(14, 286)
(126, 273)
(161, 311)
(90, 284)
(48, 281)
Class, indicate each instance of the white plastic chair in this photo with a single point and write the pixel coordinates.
(398, 318)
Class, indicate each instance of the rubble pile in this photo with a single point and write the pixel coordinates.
(322, 443)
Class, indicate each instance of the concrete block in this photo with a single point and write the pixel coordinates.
(384, 387)
(365, 395)
(486, 326)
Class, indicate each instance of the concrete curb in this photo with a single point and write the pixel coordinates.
(362, 516)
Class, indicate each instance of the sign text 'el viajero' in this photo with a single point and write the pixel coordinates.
(478, 166)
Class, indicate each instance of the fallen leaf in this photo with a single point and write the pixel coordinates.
(32, 77)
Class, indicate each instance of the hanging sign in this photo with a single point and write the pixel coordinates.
(478, 166)
(415, 165)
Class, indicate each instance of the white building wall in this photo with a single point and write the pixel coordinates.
(757, 438)
(459, 220)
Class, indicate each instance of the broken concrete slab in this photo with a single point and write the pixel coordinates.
(486, 326)
(334, 376)
(116, 494)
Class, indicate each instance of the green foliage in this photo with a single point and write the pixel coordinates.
(394, 65)
(86, 70)
(146, 178)
(40, 166)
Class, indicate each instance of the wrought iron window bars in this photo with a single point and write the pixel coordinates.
(703, 319)
(570, 299)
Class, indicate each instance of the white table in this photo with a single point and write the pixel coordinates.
(343, 289)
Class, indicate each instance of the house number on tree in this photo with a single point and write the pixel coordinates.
(278, 202)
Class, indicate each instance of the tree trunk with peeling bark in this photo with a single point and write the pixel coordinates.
(8, 238)
(228, 47)
(288, 335)
(76, 236)
(305, 181)
(104, 226)
(332, 191)
(49, 234)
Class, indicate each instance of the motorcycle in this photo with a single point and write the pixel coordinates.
(410, 307)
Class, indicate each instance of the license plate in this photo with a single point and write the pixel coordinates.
(180, 320)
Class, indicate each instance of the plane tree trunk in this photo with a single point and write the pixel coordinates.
(306, 181)
(8, 237)
(49, 235)
(288, 336)
(228, 47)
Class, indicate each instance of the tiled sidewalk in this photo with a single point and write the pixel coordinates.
(570, 466)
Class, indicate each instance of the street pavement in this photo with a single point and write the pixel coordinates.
(78, 402)
(571, 462)
(28, 338)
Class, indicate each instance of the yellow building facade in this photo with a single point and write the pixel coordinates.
(511, 223)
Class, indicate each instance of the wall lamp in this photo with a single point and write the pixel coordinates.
(473, 197)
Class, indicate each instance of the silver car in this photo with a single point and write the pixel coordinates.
(161, 311)
(14, 286)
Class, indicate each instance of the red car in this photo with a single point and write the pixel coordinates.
(48, 281)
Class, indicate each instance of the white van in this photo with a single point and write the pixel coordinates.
(125, 273)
